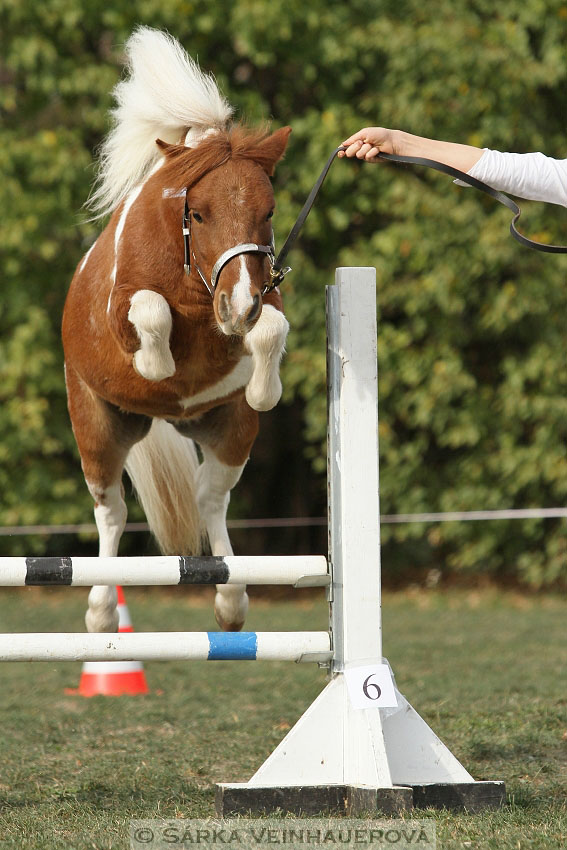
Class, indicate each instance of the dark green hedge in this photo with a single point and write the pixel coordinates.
(472, 343)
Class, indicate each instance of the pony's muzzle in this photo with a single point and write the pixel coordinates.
(254, 311)
(235, 321)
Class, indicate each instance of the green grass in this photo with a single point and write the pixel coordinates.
(486, 670)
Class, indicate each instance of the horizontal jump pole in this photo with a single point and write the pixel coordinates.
(167, 646)
(297, 570)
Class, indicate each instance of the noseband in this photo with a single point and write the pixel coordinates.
(276, 275)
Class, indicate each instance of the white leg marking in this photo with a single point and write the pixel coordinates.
(215, 480)
(150, 314)
(266, 343)
(110, 517)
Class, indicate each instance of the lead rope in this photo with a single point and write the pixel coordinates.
(482, 187)
(278, 272)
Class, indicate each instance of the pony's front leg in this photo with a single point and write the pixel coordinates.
(266, 343)
(150, 314)
(214, 483)
(110, 517)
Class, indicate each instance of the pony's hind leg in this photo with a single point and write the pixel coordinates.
(104, 435)
(214, 483)
(110, 516)
(225, 435)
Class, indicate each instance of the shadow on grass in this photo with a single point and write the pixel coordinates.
(101, 796)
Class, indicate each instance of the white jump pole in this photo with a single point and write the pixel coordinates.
(300, 571)
(167, 646)
(339, 755)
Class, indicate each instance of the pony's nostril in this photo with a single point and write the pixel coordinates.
(255, 308)
(224, 308)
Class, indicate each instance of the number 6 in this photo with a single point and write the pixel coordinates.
(366, 687)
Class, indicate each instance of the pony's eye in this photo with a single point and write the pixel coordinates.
(270, 214)
(197, 216)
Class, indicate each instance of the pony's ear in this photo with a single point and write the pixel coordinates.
(170, 150)
(273, 148)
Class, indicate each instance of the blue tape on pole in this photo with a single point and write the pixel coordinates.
(232, 646)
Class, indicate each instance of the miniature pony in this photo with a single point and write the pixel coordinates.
(171, 330)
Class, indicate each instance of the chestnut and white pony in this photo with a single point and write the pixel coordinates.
(153, 359)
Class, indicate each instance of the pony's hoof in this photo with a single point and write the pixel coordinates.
(263, 400)
(230, 613)
(101, 621)
(228, 627)
(153, 366)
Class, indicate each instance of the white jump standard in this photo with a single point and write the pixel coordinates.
(346, 754)
(338, 757)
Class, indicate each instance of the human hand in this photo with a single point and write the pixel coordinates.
(368, 143)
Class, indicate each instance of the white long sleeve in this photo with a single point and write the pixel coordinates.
(527, 175)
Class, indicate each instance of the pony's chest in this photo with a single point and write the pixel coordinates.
(219, 388)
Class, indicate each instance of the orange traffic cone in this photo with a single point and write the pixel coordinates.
(113, 678)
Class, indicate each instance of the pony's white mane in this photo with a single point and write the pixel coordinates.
(164, 96)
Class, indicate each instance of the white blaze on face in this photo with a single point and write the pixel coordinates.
(241, 298)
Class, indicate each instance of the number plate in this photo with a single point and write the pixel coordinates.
(371, 686)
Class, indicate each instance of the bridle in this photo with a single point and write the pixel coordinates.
(276, 275)
(278, 270)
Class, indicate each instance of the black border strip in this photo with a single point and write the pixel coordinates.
(49, 571)
(211, 569)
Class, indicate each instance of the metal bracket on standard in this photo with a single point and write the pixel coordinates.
(323, 659)
(313, 581)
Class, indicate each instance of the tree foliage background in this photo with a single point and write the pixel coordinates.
(472, 327)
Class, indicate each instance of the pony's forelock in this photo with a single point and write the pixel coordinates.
(236, 142)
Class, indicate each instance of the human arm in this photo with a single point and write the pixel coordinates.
(527, 175)
(370, 141)
(530, 175)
